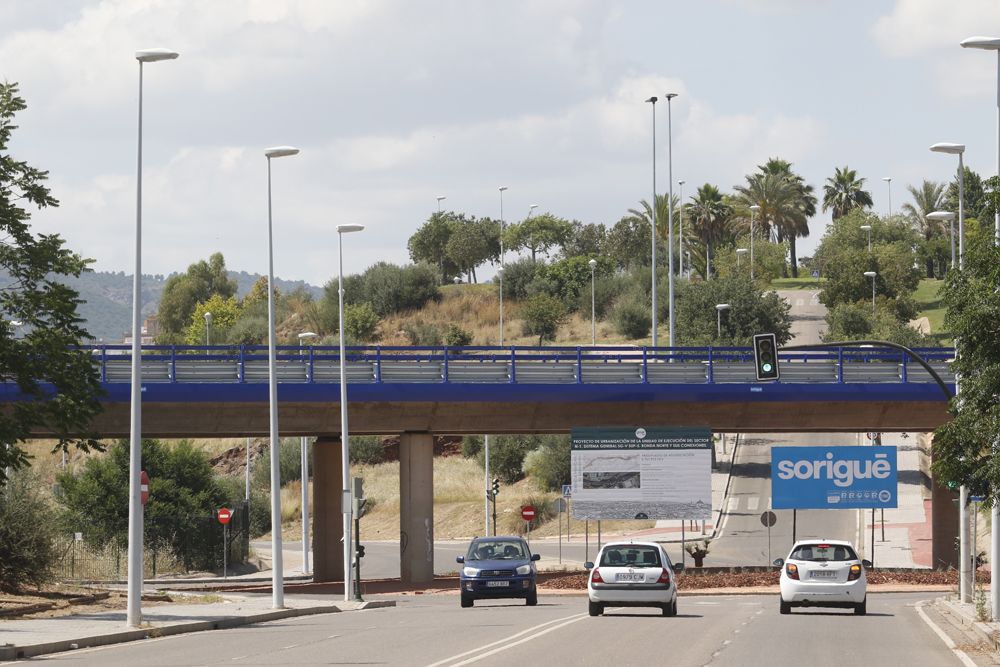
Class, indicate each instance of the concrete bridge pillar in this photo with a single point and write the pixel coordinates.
(944, 526)
(416, 507)
(328, 521)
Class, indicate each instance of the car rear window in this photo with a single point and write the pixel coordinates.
(823, 552)
(497, 550)
(630, 554)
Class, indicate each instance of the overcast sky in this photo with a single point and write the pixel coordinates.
(393, 103)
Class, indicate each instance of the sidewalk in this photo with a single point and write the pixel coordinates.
(25, 638)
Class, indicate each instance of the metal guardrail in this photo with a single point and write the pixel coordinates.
(514, 365)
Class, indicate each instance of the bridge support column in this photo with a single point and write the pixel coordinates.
(328, 521)
(416, 507)
(944, 526)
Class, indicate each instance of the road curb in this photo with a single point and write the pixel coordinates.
(957, 615)
(12, 652)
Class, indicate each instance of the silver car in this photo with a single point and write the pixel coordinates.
(632, 574)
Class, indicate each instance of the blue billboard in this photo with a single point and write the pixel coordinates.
(833, 477)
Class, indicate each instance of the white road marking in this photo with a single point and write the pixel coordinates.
(566, 620)
(752, 503)
(733, 504)
(966, 660)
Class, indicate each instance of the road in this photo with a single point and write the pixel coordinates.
(434, 631)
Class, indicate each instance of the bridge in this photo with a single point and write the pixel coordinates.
(417, 392)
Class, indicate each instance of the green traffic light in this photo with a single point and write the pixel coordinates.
(767, 368)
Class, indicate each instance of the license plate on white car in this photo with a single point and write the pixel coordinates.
(630, 576)
(497, 584)
(824, 574)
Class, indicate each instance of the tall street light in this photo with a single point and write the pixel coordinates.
(500, 272)
(593, 310)
(670, 217)
(942, 216)
(719, 307)
(277, 564)
(888, 187)
(208, 328)
(753, 212)
(739, 255)
(345, 458)
(959, 150)
(680, 229)
(988, 44)
(439, 198)
(133, 615)
(652, 101)
(304, 466)
(868, 229)
(530, 210)
(872, 275)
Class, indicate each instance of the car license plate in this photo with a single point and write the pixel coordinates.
(497, 584)
(630, 576)
(824, 574)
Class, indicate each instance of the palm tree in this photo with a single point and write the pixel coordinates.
(786, 204)
(844, 192)
(929, 198)
(710, 218)
(644, 215)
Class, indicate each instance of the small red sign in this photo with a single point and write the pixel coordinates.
(143, 488)
(528, 513)
(225, 515)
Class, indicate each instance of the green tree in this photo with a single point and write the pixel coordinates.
(628, 243)
(927, 199)
(845, 191)
(40, 328)
(473, 242)
(974, 195)
(631, 315)
(537, 234)
(430, 244)
(361, 322)
(711, 219)
(27, 533)
(549, 464)
(751, 311)
(225, 313)
(585, 240)
(542, 316)
(854, 321)
(183, 292)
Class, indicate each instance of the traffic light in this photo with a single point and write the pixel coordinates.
(496, 486)
(361, 551)
(765, 356)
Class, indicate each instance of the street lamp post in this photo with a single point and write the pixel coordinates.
(872, 275)
(531, 210)
(739, 255)
(500, 271)
(208, 328)
(304, 466)
(680, 230)
(959, 150)
(593, 310)
(949, 217)
(345, 458)
(133, 615)
(652, 101)
(719, 307)
(277, 573)
(990, 44)
(753, 211)
(888, 188)
(670, 218)
(868, 228)
(439, 198)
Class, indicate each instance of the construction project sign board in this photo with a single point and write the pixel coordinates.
(642, 473)
(833, 477)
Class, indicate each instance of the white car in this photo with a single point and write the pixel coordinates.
(632, 574)
(823, 573)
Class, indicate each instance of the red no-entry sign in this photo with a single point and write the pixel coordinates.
(225, 515)
(143, 487)
(528, 513)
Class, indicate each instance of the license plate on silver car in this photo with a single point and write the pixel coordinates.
(497, 584)
(630, 576)
(824, 574)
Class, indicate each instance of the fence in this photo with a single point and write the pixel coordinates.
(199, 549)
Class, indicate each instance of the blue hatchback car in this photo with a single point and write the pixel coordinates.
(498, 567)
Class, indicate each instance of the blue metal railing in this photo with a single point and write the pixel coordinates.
(581, 365)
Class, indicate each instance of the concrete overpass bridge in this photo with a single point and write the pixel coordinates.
(418, 392)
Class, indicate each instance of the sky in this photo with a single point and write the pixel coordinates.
(394, 103)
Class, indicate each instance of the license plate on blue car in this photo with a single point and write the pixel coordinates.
(497, 584)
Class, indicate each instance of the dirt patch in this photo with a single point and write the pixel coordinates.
(61, 600)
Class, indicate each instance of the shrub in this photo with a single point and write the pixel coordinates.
(472, 445)
(27, 548)
(289, 465)
(392, 289)
(549, 465)
(607, 290)
(367, 449)
(361, 322)
(542, 316)
(456, 336)
(507, 454)
(423, 334)
(513, 524)
(631, 317)
(518, 276)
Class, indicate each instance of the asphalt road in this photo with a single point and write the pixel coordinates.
(434, 631)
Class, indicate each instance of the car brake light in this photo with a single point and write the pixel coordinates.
(664, 577)
(595, 577)
(792, 570)
(855, 573)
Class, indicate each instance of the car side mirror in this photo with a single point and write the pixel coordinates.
(460, 559)
(678, 567)
(588, 565)
(536, 556)
(778, 562)
(867, 564)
